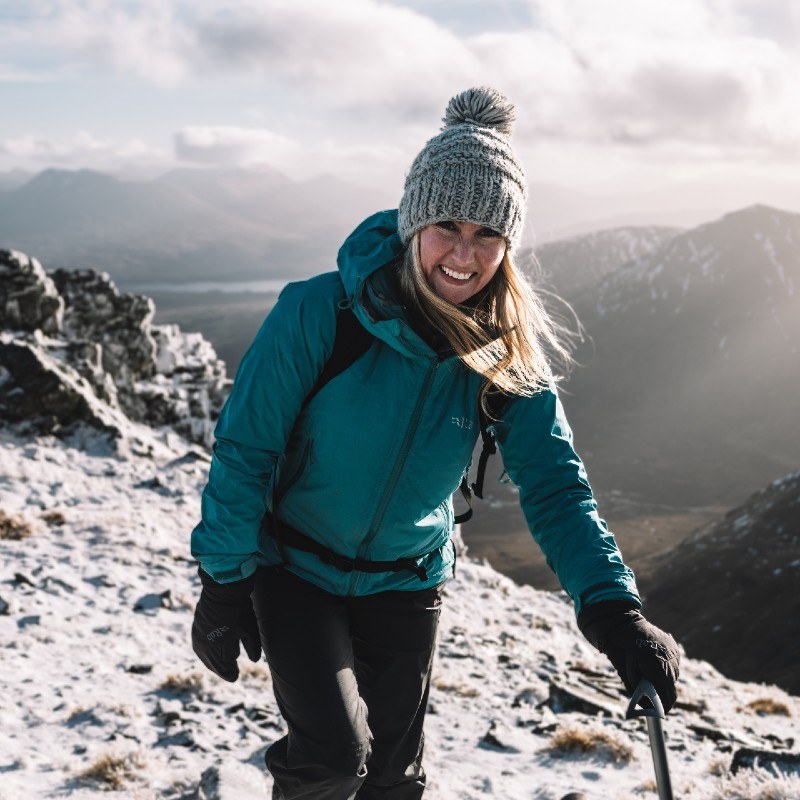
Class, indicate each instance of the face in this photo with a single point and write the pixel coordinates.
(459, 258)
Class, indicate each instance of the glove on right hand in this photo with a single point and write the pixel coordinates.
(224, 615)
(636, 648)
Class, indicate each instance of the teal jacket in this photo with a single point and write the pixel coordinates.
(369, 465)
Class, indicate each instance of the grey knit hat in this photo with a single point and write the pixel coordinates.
(469, 171)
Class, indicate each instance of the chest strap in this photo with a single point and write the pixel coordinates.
(290, 537)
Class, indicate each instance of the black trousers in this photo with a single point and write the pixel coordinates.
(351, 676)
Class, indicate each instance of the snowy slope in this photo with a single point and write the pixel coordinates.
(97, 673)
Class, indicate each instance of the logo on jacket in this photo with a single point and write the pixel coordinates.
(462, 422)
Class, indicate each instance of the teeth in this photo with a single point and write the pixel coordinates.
(462, 276)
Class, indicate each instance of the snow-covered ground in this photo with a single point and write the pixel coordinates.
(102, 693)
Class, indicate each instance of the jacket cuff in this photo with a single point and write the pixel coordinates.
(233, 591)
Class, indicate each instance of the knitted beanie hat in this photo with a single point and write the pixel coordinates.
(468, 172)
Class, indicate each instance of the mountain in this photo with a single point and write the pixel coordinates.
(729, 592)
(189, 225)
(13, 179)
(686, 396)
(578, 263)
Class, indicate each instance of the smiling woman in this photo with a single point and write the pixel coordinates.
(327, 521)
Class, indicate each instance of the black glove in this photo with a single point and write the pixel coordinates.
(223, 616)
(635, 648)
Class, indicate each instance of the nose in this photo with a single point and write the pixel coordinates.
(464, 251)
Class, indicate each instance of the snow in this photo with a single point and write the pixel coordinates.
(95, 661)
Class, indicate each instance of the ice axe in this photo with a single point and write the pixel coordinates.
(653, 712)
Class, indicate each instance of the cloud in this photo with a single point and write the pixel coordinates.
(231, 146)
(78, 150)
(712, 74)
(234, 146)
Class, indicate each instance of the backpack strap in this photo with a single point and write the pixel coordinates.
(352, 341)
(489, 448)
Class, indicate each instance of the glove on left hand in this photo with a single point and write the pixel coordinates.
(634, 647)
(224, 615)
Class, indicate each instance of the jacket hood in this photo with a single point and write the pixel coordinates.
(366, 267)
(372, 245)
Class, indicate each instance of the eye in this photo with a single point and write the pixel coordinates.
(447, 225)
(488, 233)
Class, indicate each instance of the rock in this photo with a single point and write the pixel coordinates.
(509, 740)
(140, 669)
(31, 619)
(749, 758)
(6, 607)
(570, 695)
(50, 397)
(182, 738)
(232, 780)
(76, 350)
(152, 602)
(29, 300)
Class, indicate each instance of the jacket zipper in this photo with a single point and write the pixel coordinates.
(397, 469)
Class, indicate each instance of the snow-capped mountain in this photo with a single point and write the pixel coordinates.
(103, 696)
(729, 592)
(577, 264)
(688, 394)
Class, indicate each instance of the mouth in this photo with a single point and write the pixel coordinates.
(461, 277)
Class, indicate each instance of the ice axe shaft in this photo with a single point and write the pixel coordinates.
(653, 712)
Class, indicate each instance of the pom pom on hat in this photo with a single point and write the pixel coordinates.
(481, 106)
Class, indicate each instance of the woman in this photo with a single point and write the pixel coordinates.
(326, 521)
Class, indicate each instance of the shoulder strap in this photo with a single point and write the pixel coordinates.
(352, 341)
(489, 448)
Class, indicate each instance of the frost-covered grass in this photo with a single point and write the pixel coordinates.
(84, 672)
(758, 784)
(16, 527)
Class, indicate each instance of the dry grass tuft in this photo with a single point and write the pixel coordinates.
(54, 518)
(458, 689)
(595, 740)
(183, 683)
(257, 672)
(764, 706)
(113, 770)
(15, 528)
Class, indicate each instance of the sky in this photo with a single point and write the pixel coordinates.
(692, 100)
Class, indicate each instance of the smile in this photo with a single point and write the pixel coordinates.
(461, 276)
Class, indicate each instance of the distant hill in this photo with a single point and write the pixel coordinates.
(13, 179)
(729, 593)
(188, 225)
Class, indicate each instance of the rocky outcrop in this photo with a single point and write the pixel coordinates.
(74, 350)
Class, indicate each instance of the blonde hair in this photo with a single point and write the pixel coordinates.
(508, 337)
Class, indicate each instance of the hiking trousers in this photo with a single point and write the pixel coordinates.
(351, 676)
